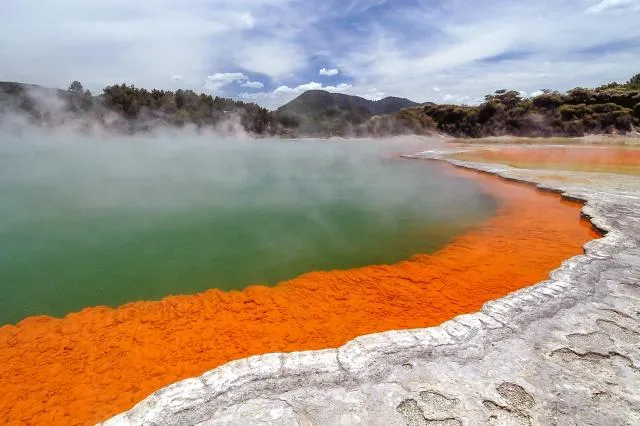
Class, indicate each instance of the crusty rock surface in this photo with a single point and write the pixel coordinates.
(563, 352)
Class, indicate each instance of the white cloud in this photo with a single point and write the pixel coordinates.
(275, 58)
(246, 20)
(458, 99)
(373, 94)
(469, 52)
(114, 41)
(253, 84)
(328, 71)
(284, 94)
(609, 5)
(422, 52)
(284, 89)
(312, 85)
(218, 80)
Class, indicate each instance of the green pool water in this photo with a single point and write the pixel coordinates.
(104, 221)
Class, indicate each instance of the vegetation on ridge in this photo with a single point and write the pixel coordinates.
(129, 109)
(318, 112)
(611, 108)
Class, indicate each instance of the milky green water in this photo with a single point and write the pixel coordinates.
(90, 221)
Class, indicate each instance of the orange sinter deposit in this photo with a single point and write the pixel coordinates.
(588, 159)
(98, 362)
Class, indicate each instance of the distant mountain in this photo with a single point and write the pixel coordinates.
(322, 112)
(313, 101)
(21, 96)
(12, 89)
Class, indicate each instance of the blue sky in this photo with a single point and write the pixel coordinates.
(269, 51)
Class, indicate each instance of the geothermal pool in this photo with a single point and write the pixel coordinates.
(468, 237)
(90, 221)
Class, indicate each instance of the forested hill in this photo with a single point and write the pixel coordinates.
(322, 112)
(314, 101)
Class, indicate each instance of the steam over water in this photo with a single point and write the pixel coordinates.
(91, 221)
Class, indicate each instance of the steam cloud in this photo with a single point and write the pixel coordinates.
(51, 113)
(74, 200)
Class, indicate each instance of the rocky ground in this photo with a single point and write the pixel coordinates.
(562, 352)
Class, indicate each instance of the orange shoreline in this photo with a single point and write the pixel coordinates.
(93, 364)
(588, 159)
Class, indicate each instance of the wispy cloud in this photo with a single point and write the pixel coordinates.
(283, 94)
(253, 84)
(468, 52)
(312, 86)
(279, 47)
(613, 5)
(328, 71)
(146, 42)
(218, 80)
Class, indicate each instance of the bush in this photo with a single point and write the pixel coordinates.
(572, 112)
(580, 95)
(548, 100)
(624, 122)
(606, 108)
(574, 128)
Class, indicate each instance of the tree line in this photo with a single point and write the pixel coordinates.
(611, 108)
(129, 109)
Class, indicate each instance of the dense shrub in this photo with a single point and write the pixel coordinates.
(610, 108)
(124, 108)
